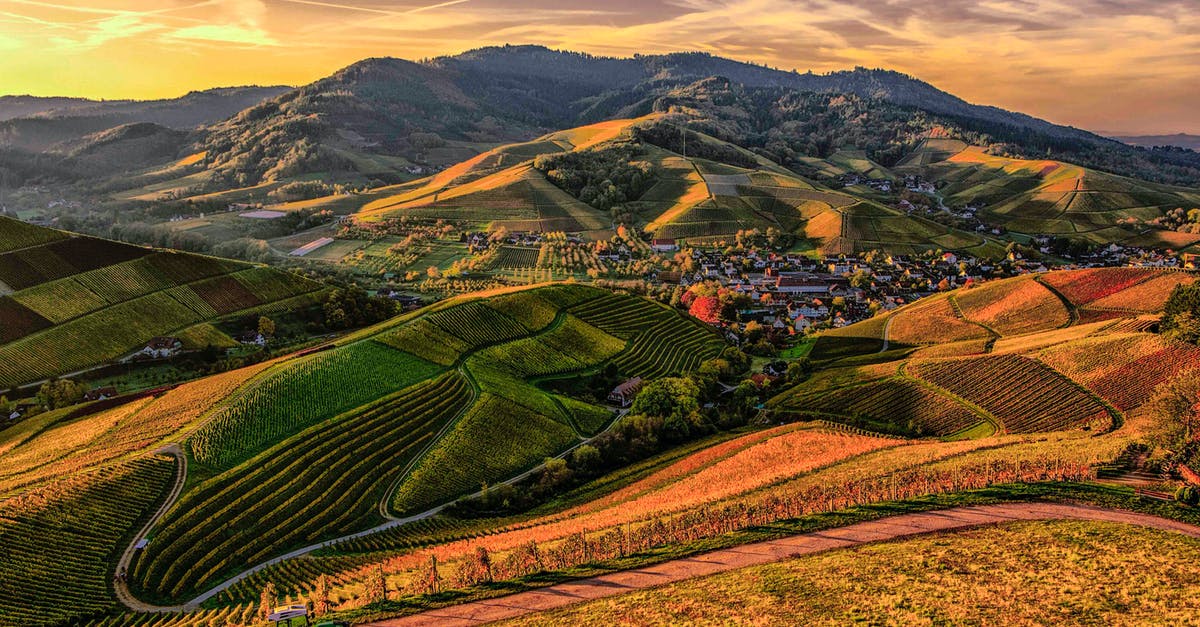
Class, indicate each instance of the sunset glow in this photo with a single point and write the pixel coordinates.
(1092, 63)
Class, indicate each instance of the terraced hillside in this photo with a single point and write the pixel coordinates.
(334, 442)
(1052, 197)
(71, 302)
(1029, 354)
(708, 192)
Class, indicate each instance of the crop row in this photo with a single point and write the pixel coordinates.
(621, 316)
(1024, 394)
(30, 266)
(321, 483)
(672, 346)
(930, 323)
(897, 401)
(477, 324)
(243, 614)
(58, 542)
(1124, 370)
(301, 394)
(528, 308)
(1085, 286)
(17, 320)
(1013, 306)
(572, 345)
(498, 436)
(16, 234)
(426, 340)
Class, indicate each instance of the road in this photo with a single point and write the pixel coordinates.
(882, 530)
(887, 330)
(120, 586)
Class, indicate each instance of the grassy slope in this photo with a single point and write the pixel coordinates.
(1002, 570)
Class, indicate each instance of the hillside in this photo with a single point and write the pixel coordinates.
(413, 398)
(294, 452)
(447, 109)
(72, 302)
(40, 124)
(1052, 197)
(1029, 354)
(677, 183)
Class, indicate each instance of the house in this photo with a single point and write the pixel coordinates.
(160, 347)
(664, 245)
(670, 277)
(623, 394)
(100, 394)
(251, 337)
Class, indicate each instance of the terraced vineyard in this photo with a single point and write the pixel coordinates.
(1025, 395)
(500, 437)
(306, 489)
(83, 301)
(897, 400)
(58, 543)
(658, 343)
(304, 393)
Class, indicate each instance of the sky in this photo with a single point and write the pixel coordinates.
(1125, 66)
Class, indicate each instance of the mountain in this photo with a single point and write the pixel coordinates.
(1178, 140)
(443, 110)
(40, 124)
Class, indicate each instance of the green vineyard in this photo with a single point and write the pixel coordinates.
(302, 394)
(500, 437)
(302, 491)
(58, 544)
(897, 401)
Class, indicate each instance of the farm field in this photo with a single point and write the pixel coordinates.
(267, 445)
(899, 582)
(300, 451)
(81, 301)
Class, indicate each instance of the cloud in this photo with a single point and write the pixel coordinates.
(225, 33)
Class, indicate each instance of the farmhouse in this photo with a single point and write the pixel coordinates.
(623, 394)
(160, 347)
(100, 394)
(664, 245)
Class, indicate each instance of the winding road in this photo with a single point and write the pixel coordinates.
(881, 530)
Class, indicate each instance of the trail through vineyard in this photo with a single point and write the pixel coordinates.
(882, 530)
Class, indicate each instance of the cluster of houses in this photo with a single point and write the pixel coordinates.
(796, 294)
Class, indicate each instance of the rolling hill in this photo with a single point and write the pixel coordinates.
(1029, 354)
(690, 186)
(1051, 197)
(71, 302)
(324, 443)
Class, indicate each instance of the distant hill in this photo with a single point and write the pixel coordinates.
(70, 302)
(39, 124)
(1178, 140)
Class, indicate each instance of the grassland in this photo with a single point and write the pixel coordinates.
(1002, 570)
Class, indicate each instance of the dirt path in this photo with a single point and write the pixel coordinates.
(891, 528)
(887, 332)
(120, 586)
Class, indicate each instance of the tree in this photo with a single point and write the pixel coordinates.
(60, 393)
(1181, 314)
(266, 327)
(1175, 408)
(706, 309)
(321, 603)
(267, 601)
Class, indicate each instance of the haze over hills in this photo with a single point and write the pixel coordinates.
(1179, 140)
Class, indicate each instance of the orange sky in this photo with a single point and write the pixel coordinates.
(1120, 65)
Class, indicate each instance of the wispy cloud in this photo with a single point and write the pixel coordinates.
(1055, 58)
